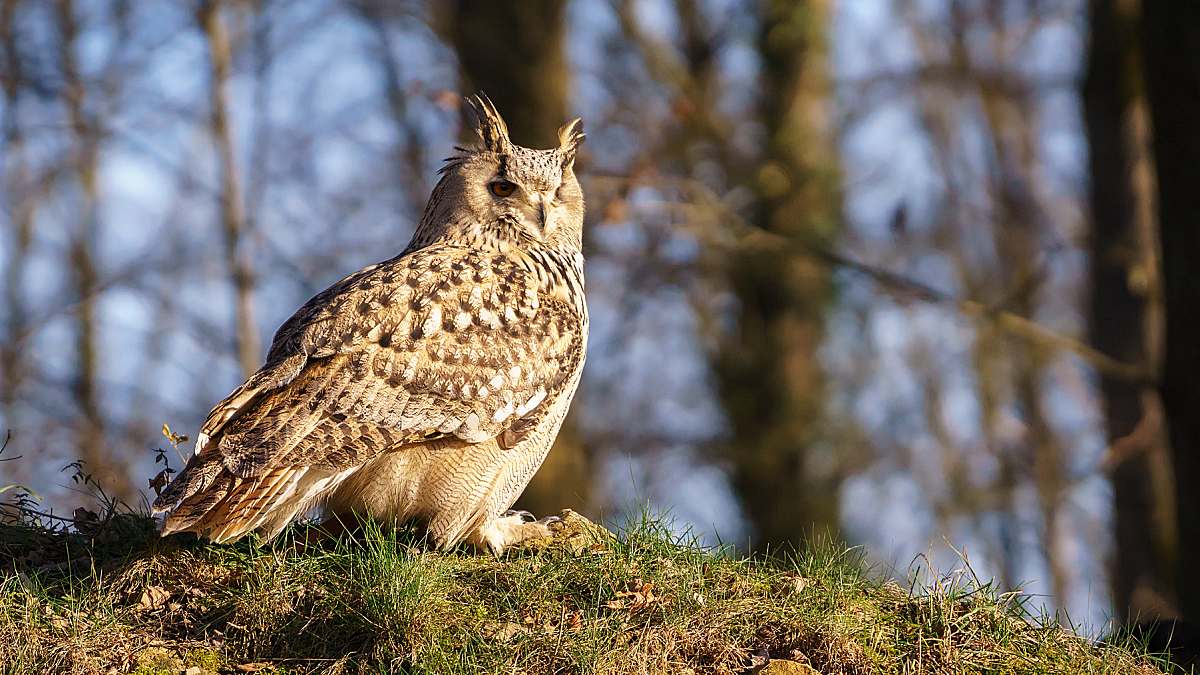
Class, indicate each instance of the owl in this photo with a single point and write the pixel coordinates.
(428, 387)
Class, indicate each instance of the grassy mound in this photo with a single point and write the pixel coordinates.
(118, 599)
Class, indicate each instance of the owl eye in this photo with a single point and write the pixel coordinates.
(502, 188)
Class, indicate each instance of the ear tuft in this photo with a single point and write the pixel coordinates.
(490, 125)
(570, 135)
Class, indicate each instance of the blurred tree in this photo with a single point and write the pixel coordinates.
(91, 443)
(18, 197)
(514, 52)
(233, 220)
(1125, 310)
(767, 372)
(1169, 39)
(410, 155)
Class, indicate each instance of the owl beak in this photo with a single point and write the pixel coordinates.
(543, 203)
(542, 214)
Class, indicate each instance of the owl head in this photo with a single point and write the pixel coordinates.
(500, 194)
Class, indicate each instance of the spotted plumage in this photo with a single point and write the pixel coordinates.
(429, 386)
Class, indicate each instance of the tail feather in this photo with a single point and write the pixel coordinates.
(233, 507)
(241, 511)
(197, 505)
(199, 474)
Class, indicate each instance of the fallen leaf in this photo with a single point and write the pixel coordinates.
(641, 597)
(503, 631)
(85, 521)
(153, 598)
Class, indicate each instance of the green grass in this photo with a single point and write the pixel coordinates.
(645, 601)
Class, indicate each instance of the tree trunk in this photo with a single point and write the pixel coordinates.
(91, 442)
(1124, 312)
(19, 237)
(514, 53)
(233, 219)
(1170, 35)
(768, 375)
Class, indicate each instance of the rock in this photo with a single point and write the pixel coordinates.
(574, 533)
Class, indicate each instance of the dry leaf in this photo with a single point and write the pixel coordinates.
(173, 437)
(84, 520)
(252, 667)
(153, 598)
(641, 597)
(160, 481)
(503, 631)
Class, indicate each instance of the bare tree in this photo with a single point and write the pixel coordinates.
(1170, 33)
(92, 443)
(233, 218)
(1125, 312)
(515, 53)
(19, 198)
(767, 373)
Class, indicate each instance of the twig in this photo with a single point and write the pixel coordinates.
(744, 235)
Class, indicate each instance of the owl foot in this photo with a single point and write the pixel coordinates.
(514, 527)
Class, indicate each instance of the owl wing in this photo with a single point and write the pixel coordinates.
(442, 342)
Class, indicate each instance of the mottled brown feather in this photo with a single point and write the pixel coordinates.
(428, 386)
(441, 342)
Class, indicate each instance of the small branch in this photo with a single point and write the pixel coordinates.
(741, 234)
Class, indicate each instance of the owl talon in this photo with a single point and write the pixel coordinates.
(514, 527)
(525, 515)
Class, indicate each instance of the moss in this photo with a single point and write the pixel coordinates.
(157, 661)
(205, 659)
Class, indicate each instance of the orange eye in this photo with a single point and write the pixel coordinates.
(502, 188)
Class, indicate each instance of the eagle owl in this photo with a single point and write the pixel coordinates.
(426, 387)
